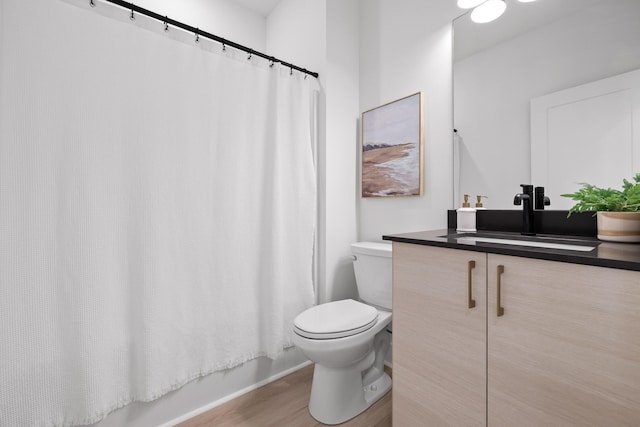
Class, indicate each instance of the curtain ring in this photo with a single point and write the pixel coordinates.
(224, 46)
(132, 16)
(166, 26)
(197, 35)
(272, 63)
(249, 57)
(290, 71)
(91, 3)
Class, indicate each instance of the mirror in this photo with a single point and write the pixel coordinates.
(533, 50)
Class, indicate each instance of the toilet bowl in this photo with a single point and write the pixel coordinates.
(348, 340)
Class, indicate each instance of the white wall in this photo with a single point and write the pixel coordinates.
(375, 51)
(493, 89)
(224, 18)
(296, 33)
(405, 47)
(342, 111)
(323, 35)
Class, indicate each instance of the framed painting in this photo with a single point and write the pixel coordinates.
(392, 149)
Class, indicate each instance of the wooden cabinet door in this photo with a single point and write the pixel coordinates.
(566, 351)
(439, 343)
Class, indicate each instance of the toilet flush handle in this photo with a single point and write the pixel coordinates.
(354, 258)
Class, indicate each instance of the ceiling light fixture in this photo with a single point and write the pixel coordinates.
(486, 10)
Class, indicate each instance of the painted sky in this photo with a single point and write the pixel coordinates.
(395, 123)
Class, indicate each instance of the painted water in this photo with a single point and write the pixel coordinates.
(391, 170)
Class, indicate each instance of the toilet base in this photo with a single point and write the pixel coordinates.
(337, 395)
(349, 372)
(377, 389)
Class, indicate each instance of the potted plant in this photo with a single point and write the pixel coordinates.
(618, 210)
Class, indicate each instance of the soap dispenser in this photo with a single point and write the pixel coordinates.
(466, 217)
(479, 205)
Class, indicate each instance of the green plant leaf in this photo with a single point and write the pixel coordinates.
(596, 199)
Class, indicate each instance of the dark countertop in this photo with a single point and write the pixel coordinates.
(625, 256)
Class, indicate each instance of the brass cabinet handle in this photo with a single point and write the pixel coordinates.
(500, 310)
(471, 266)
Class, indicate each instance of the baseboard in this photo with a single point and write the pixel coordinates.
(234, 395)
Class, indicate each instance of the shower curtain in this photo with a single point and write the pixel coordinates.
(157, 209)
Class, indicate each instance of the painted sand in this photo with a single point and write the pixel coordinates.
(391, 171)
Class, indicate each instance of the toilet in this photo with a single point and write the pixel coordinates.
(348, 340)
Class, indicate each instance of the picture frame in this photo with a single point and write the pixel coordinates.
(392, 149)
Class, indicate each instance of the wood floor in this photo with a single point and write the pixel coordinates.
(283, 403)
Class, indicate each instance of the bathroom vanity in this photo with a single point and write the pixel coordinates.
(495, 334)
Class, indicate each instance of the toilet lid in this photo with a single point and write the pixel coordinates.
(335, 320)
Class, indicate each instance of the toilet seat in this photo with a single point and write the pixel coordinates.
(336, 319)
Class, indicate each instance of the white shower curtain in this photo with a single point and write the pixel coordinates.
(157, 209)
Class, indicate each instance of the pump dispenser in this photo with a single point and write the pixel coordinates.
(466, 217)
(479, 205)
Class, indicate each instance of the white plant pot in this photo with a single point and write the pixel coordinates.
(619, 226)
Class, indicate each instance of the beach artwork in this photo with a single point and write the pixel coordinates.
(392, 149)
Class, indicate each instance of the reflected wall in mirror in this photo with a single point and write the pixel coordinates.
(534, 50)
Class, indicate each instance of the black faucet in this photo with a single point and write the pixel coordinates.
(526, 200)
(541, 199)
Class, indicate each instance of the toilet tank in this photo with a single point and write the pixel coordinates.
(372, 265)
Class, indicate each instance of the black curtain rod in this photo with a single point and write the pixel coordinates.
(199, 33)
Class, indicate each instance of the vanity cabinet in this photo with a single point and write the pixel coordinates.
(439, 343)
(565, 349)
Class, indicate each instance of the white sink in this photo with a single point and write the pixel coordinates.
(536, 244)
